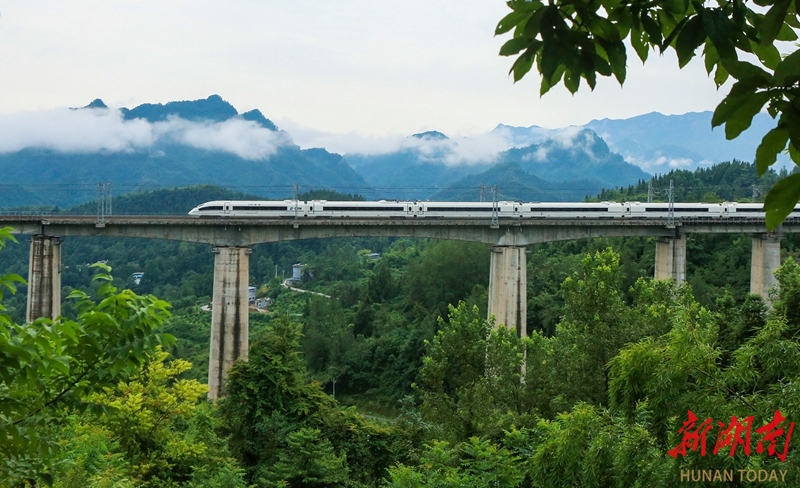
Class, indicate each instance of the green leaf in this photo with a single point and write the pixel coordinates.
(618, 59)
(602, 28)
(675, 6)
(639, 45)
(744, 71)
(788, 70)
(794, 153)
(549, 60)
(691, 36)
(514, 46)
(772, 143)
(793, 20)
(652, 29)
(790, 117)
(522, 64)
(722, 32)
(61, 364)
(781, 200)
(772, 22)
(743, 117)
(510, 21)
(729, 105)
(675, 31)
(768, 55)
(547, 84)
(786, 34)
(720, 76)
(524, 5)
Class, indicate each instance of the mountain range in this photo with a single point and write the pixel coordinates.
(660, 143)
(562, 168)
(60, 158)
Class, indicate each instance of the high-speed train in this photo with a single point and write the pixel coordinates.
(476, 210)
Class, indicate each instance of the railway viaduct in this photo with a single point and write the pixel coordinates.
(232, 238)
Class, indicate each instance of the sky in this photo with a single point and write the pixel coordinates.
(353, 71)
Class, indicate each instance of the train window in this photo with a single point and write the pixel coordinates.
(211, 207)
(682, 209)
(567, 209)
(364, 209)
(460, 209)
(259, 208)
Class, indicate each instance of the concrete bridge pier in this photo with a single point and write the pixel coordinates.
(671, 259)
(44, 278)
(508, 291)
(229, 314)
(766, 259)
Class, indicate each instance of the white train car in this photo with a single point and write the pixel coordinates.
(380, 209)
(572, 210)
(680, 210)
(468, 210)
(745, 210)
(753, 210)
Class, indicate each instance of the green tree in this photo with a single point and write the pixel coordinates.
(155, 432)
(474, 464)
(572, 39)
(471, 375)
(286, 431)
(309, 460)
(49, 368)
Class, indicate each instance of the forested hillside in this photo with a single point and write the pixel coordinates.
(730, 182)
(436, 397)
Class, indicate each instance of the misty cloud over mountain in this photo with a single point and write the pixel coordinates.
(57, 157)
(96, 129)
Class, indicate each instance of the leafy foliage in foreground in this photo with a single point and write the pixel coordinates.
(93, 402)
(154, 433)
(49, 367)
(572, 39)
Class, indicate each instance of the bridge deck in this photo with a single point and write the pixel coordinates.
(249, 231)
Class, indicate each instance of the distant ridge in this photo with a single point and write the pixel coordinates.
(515, 184)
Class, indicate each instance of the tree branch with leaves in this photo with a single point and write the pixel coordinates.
(570, 40)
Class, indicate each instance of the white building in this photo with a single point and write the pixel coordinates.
(137, 277)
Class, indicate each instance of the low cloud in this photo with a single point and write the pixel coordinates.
(664, 164)
(571, 138)
(483, 148)
(348, 143)
(105, 130)
(523, 136)
(457, 150)
(244, 138)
